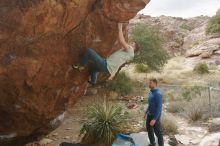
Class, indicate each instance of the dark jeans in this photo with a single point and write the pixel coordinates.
(99, 64)
(154, 129)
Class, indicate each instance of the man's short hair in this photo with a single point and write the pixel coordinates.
(154, 80)
(137, 47)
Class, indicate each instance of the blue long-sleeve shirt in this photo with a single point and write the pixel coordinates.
(154, 103)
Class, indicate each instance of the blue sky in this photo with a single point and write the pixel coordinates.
(181, 8)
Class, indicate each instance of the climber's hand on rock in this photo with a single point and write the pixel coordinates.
(120, 25)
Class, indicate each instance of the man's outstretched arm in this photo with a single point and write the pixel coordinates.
(121, 37)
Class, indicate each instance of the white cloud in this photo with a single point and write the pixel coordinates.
(181, 8)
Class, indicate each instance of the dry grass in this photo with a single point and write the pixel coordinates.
(177, 72)
(197, 109)
(169, 126)
(176, 107)
(174, 72)
(215, 103)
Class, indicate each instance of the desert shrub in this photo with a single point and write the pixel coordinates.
(186, 27)
(215, 103)
(186, 93)
(142, 68)
(201, 68)
(213, 25)
(169, 126)
(192, 92)
(195, 113)
(104, 122)
(197, 109)
(121, 84)
(176, 107)
(172, 95)
(168, 95)
(150, 42)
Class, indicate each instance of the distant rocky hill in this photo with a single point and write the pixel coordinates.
(186, 37)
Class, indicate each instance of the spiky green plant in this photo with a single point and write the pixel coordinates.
(105, 121)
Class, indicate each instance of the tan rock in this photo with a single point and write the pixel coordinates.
(207, 47)
(217, 52)
(45, 141)
(214, 125)
(206, 54)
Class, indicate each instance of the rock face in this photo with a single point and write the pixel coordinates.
(39, 40)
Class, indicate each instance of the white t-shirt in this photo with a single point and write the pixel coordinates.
(118, 58)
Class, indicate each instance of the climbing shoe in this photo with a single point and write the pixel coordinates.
(77, 67)
(92, 84)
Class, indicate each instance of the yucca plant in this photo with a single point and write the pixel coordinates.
(105, 121)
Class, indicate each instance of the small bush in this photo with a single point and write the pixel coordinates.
(121, 84)
(197, 109)
(142, 68)
(169, 126)
(216, 106)
(191, 92)
(201, 68)
(105, 121)
(186, 93)
(213, 25)
(186, 27)
(176, 107)
(195, 113)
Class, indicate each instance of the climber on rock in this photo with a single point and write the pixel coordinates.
(108, 65)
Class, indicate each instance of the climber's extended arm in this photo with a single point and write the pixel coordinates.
(121, 37)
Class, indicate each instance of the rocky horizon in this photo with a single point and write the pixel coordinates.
(186, 37)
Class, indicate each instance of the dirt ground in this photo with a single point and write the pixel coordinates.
(69, 130)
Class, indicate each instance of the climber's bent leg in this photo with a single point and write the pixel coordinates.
(99, 63)
(90, 54)
(93, 74)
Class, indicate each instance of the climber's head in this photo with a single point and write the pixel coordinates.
(135, 46)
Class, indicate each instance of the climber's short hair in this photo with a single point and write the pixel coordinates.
(137, 47)
(153, 80)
